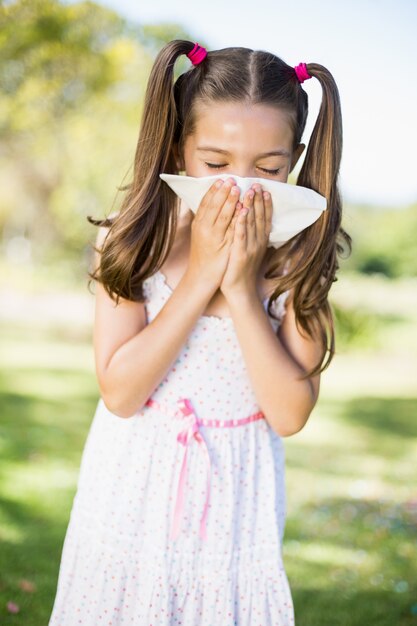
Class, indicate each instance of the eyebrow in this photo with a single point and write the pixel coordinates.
(279, 152)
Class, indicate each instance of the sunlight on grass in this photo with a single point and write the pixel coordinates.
(382, 374)
(39, 483)
(10, 533)
(41, 350)
(54, 386)
(331, 555)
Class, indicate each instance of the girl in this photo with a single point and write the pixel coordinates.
(208, 347)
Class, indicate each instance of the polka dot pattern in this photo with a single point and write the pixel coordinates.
(119, 566)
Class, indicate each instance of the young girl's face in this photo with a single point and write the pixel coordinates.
(248, 141)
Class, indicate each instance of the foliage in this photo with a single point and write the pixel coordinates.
(383, 240)
(72, 83)
(54, 57)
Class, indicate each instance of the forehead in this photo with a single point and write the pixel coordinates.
(242, 127)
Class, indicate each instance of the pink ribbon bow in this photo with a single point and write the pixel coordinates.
(185, 437)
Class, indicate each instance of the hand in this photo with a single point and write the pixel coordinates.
(251, 234)
(212, 232)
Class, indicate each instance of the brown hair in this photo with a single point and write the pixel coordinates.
(141, 235)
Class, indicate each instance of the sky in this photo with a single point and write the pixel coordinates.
(369, 46)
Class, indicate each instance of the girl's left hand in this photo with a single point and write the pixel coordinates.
(250, 240)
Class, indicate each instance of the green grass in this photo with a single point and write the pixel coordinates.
(350, 541)
(351, 532)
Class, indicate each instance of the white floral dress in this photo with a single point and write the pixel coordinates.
(179, 513)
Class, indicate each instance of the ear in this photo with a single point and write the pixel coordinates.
(296, 155)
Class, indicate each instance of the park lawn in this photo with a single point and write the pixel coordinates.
(350, 538)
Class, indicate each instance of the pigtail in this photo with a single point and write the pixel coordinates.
(141, 235)
(315, 249)
(321, 165)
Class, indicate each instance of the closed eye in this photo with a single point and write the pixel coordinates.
(272, 172)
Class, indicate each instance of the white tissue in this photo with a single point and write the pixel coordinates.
(294, 207)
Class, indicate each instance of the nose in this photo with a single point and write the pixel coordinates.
(244, 180)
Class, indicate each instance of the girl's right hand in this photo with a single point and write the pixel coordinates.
(212, 232)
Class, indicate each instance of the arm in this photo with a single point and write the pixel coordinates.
(274, 363)
(132, 357)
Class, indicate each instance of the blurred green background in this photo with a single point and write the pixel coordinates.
(72, 80)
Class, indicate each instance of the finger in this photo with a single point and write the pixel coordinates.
(232, 226)
(240, 236)
(215, 201)
(268, 213)
(250, 218)
(259, 214)
(259, 211)
(207, 199)
(225, 214)
(235, 216)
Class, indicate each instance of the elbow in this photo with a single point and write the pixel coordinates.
(113, 408)
(117, 408)
(287, 431)
(120, 413)
(288, 426)
(109, 400)
(114, 403)
(117, 402)
(293, 423)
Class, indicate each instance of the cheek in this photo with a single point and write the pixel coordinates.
(193, 173)
(284, 173)
(197, 169)
(192, 164)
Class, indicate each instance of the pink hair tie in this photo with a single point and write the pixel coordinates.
(197, 54)
(302, 73)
